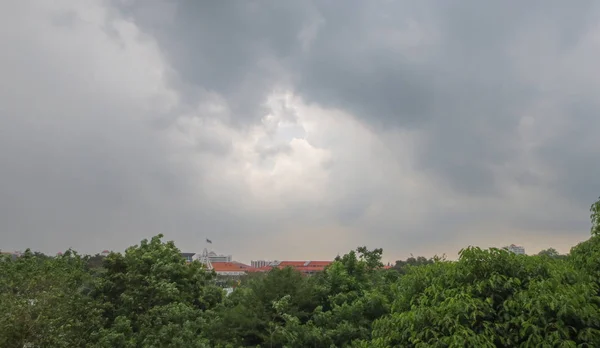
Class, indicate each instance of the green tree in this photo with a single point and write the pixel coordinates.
(551, 253)
(44, 301)
(95, 261)
(595, 217)
(248, 316)
(492, 298)
(353, 292)
(151, 297)
(402, 265)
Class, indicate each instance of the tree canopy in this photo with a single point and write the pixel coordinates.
(149, 296)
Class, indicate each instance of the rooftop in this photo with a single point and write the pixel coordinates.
(302, 266)
(229, 266)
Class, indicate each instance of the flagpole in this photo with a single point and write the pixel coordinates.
(205, 259)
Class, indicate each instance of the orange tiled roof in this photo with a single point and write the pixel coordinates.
(259, 269)
(319, 263)
(242, 265)
(302, 266)
(228, 267)
(309, 269)
(305, 264)
(292, 263)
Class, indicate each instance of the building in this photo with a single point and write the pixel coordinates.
(219, 258)
(236, 269)
(223, 265)
(305, 267)
(212, 256)
(188, 256)
(260, 263)
(104, 253)
(230, 268)
(517, 249)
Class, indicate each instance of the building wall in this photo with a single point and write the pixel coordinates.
(230, 273)
(212, 256)
(188, 256)
(260, 263)
(517, 249)
(220, 258)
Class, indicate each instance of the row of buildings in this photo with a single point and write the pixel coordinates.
(225, 266)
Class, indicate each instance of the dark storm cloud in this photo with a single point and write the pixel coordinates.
(575, 153)
(443, 67)
(460, 88)
(455, 80)
(231, 48)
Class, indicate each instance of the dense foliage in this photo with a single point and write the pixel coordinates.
(149, 297)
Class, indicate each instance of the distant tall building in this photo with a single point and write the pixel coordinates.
(260, 263)
(517, 249)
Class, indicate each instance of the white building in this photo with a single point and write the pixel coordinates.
(213, 257)
(517, 249)
(260, 263)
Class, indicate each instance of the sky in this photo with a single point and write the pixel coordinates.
(298, 129)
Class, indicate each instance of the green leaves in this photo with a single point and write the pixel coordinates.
(595, 217)
(493, 298)
(44, 302)
(152, 295)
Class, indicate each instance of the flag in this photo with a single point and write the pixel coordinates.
(208, 241)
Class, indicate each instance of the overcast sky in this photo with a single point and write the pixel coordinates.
(298, 129)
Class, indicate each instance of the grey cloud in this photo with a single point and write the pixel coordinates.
(82, 161)
(575, 154)
(453, 77)
(227, 47)
(77, 157)
(462, 90)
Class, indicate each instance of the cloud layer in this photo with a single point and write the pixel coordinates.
(298, 130)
